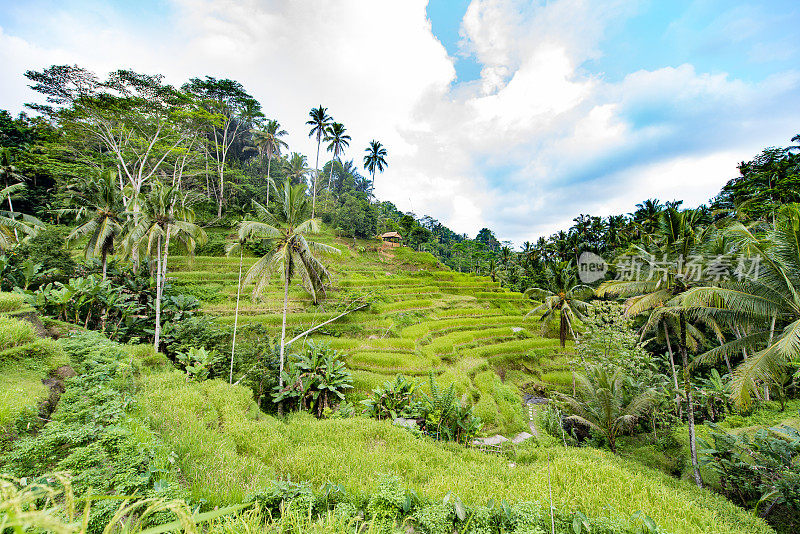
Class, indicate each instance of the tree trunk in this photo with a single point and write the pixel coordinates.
(104, 261)
(314, 186)
(157, 335)
(11, 209)
(236, 315)
(689, 408)
(283, 331)
(221, 191)
(269, 164)
(674, 372)
(562, 329)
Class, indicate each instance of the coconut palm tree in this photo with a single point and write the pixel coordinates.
(10, 176)
(599, 403)
(657, 293)
(296, 169)
(375, 160)
(765, 304)
(293, 254)
(337, 141)
(563, 295)
(319, 122)
(13, 224)
(165, 214)
(102, 204)
(269, 144)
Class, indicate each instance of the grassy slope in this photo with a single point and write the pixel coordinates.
(465, 328)
(226, 449)
(24, 361)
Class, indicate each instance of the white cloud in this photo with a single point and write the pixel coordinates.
(533, 143)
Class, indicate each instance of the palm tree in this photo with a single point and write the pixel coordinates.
(375, 160)
(599, 403)
(293, 254)
(296, 168)
(165, 214)
(563, 294)
(760, 304)
(10, 176)
(319, 122)
(10, 225)
(102, 204)
(337, 141)
(268, 142)
(657, 293)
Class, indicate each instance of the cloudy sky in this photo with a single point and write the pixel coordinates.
(508, 114)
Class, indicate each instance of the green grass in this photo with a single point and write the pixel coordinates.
(24, 361)
(14, 333)
(226, 450)
(10, 302)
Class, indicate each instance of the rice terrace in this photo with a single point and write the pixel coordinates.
(222, 312)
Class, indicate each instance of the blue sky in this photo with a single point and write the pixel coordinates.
(509, 114)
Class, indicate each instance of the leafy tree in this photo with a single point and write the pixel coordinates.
(488, 238)
(230, 112)
(765, 183)
(375, 159)
(293, 253)
(602, 404)
(139, 122)
(319, 122)
(355, 216)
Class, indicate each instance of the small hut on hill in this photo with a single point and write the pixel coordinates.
(390, 239)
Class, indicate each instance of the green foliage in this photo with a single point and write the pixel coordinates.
(88, 434)
(393, 400)
(761, 471)
(604, 403)
(445, 417)
(355, 216)
(316, 380)
(198, 362)
(47, 248)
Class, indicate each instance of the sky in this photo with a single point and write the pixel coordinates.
(516, 116)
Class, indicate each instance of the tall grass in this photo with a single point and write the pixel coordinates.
(227, 450)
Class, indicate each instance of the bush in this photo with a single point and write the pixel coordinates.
(48, 248)
(44, 354)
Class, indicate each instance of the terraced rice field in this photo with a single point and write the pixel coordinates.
(465, 328)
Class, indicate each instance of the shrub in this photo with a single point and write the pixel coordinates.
(315, 380)
(48, 248)
(198, 362)
(393, 400)
(759, 472)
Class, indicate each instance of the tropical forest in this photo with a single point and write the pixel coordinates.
(205, 330)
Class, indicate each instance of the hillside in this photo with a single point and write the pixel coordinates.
(465, 328)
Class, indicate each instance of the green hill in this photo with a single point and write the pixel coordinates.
(465, 328)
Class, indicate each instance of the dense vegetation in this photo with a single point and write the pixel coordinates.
(192, 316)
